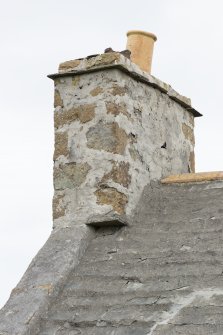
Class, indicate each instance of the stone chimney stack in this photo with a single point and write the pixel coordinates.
(117, 128)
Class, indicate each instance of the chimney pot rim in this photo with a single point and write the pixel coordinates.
(141, 32)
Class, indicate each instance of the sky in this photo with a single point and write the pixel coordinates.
(38, 35)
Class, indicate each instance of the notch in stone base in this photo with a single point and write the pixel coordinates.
(108, 220)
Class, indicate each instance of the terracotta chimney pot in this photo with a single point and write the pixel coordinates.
(141, 43)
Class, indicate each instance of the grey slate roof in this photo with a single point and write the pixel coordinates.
(160, 275)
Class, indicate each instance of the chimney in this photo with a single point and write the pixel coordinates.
(141, 44)
(117, 129)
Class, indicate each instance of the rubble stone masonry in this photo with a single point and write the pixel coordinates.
(116, 129)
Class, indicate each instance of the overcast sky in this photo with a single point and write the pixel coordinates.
(35, 37)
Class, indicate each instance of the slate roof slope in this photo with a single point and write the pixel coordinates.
(162, 275)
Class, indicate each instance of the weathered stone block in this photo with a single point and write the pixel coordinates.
(61, 145)
(109, 137)
(119, 174)
(188, 133)
(75, 80)
(83, 113)
(116, 109)
(57, 99)
(96, 91)
(58, 206)
(69, 65)
(70, 175)
(192, 161)
(191, 119)
(118, 90)
(111, 196)
(102, 60)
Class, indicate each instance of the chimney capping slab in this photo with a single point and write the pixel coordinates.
(115, 60)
